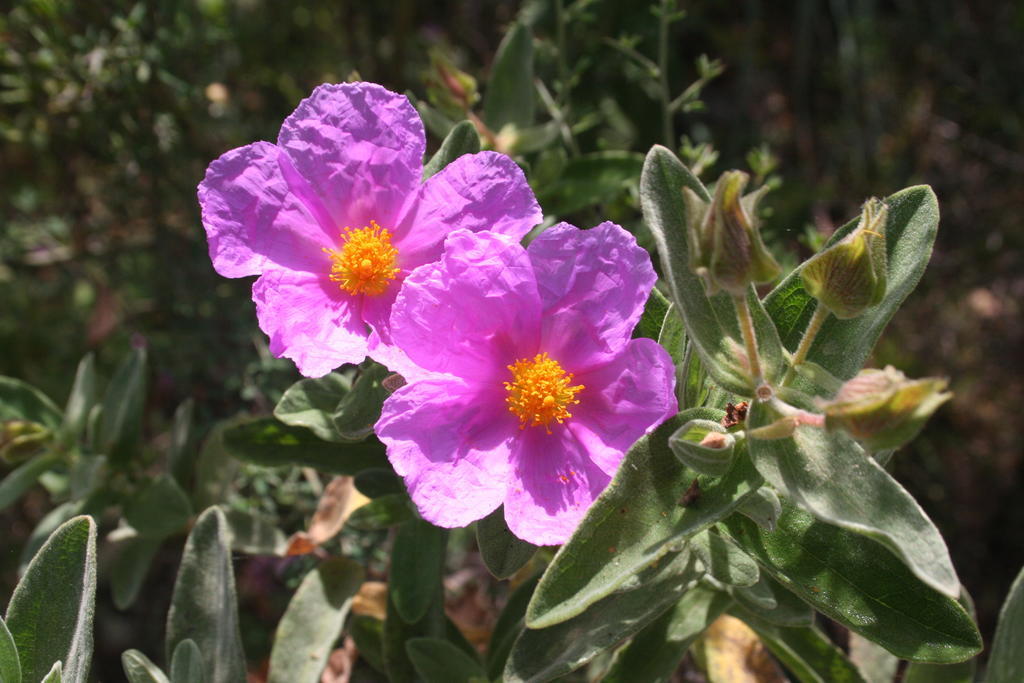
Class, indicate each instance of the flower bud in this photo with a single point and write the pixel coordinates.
(450, 89)
(704, 446)
(725, 245)
(882, 408)
(20, 439)
(849, 276)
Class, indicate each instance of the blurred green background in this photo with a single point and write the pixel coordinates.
(110, 112)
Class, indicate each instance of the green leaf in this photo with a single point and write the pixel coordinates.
(655, 652)
(711, 324)
(860, 584)
(438, 661)
(461, 139)
(830, 476)
(843, 346)
(269, 443)
(187, 663)
(138, 668)
(383, 512)
(961, 672)
(688, 445)
(22, 401)
(874, 662)
(254, 534)
(80, 401)
(360, 408)
(635, 521)
(216, 469)
(806, 652)
(503, 552)
(724, 560)
(397, 633)
(23, 477)
(203, 605)
(55, 674)
(781, 606)
(368, 634)
(311, 403)
(378, 482)
(594, 178)
(510, 624)
(312, 622)
(10, 666)
(758, 596)
(653, 317)
(127, 566)
(763, 507)
(51, 611)
(158, 509)
(540, 655)
(1005, 663)
(417, 567)
(120, 428)
(509, 97)
(180, 456)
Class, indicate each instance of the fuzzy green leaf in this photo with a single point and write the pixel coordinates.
(180, 455)
(655, 652)
(830, 476)
(50, 614)
(120, 428)
(860, 584)
(1005, 663)
(594, 178)
(724, 560)
(383, 512)
(368, 634)
(203, 606)
(269, 443)
(187, 663)
(653, 317)
(417, 566)
(541, 655)
(23, 477)
(461, 139)
(139, 668)
(158, 509)
(22, 401)
(510, 624)
(311, 403)
(502, 551)
(10, 666)
(509, 97)
(438, 661)
(254, 534)
(635, 521)
(80, 401)
(312, 622)
(127, 564)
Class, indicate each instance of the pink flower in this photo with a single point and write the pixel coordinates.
(537, 389)
(335, 216)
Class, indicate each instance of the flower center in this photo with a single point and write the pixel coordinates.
(539, 392)
(365, 264)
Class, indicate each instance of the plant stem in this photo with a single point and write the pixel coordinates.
(820, 314)
(562, 103)
(667, 134)
(749, 337)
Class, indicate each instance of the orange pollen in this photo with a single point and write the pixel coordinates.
(365, 264)
(539, 392)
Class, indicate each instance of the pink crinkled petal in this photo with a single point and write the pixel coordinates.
(485, 191)
(624, 399)
(381, 347)
(361, 148)
(593, 285)
(554, 482)
(259, 214)
(309, 320)
(451, 442)
(471, 313)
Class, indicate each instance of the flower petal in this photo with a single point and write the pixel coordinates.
(593, 285)
(451, 443)
(258, 213)
(553, 484)
(361, 148)
(309, 320)
(485, 191)
(471, 313)
(626, 397)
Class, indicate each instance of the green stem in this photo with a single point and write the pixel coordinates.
(667, 133)
(820, 314)
(749, 337)
(565, 85)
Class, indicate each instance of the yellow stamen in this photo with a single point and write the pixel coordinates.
(365, 264)
(539, 392)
